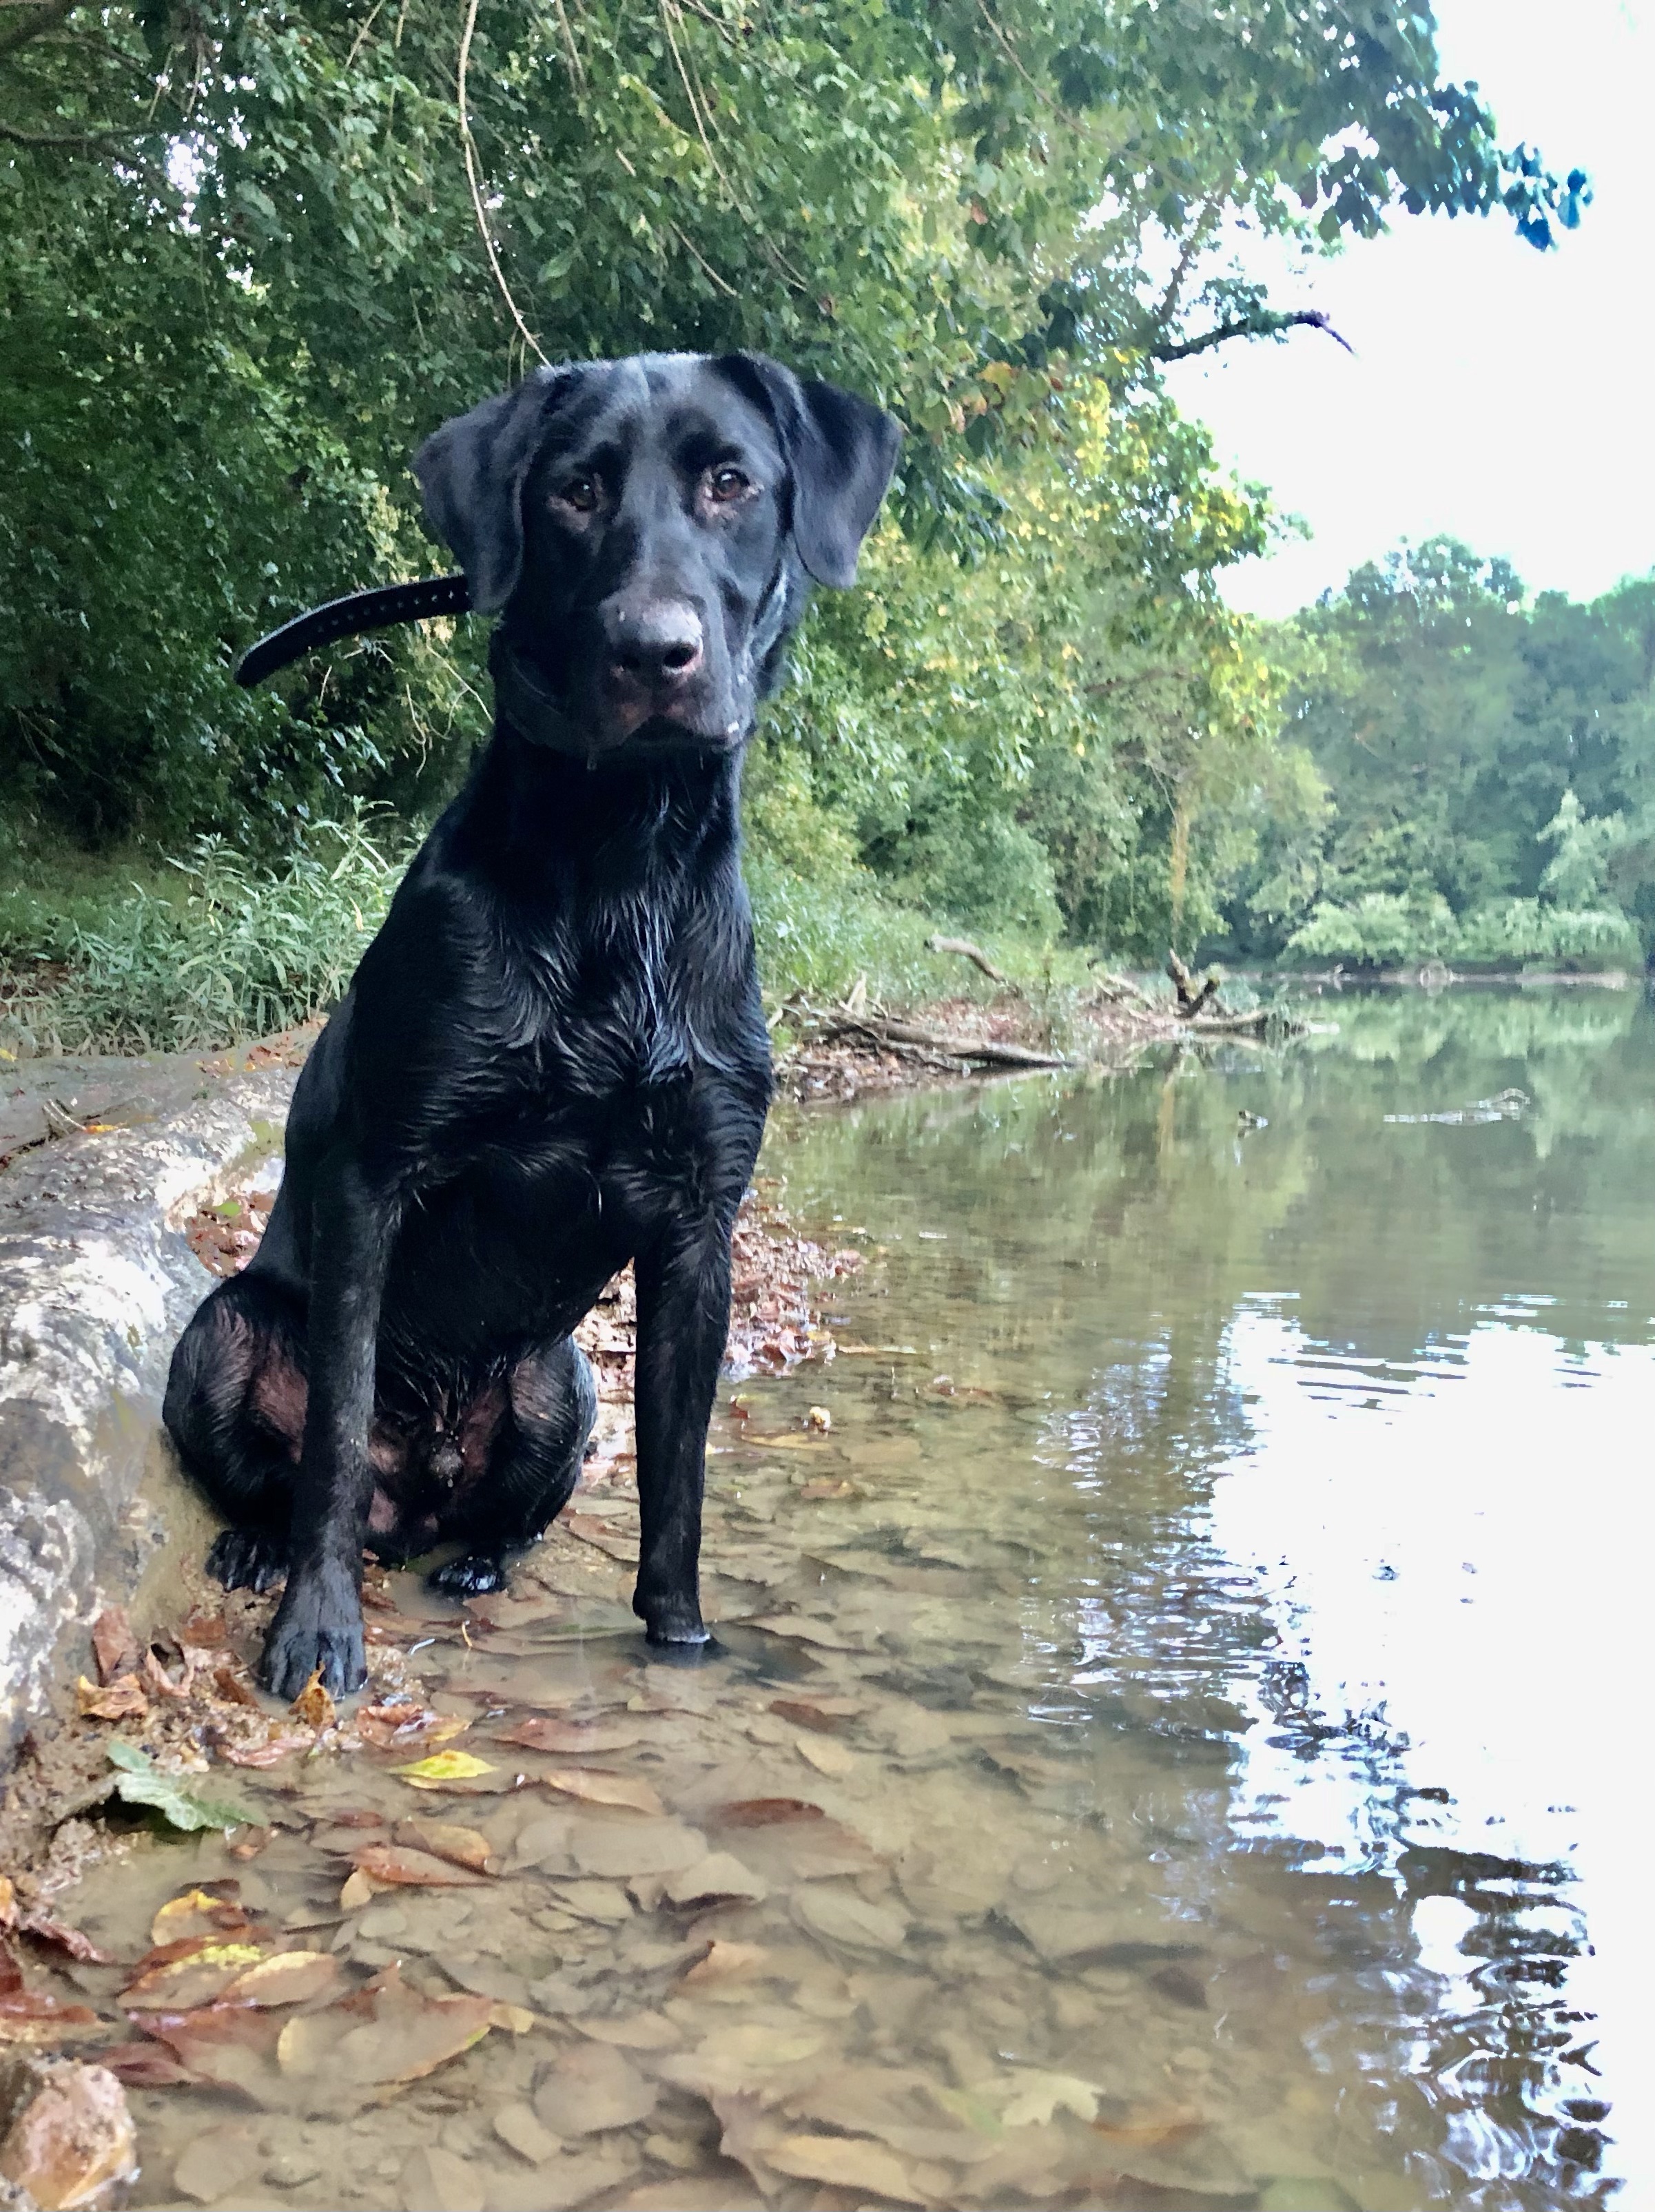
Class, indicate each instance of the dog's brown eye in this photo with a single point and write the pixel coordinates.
(727, 483)
(581, 493)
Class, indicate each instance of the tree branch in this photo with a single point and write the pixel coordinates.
(83, 139)
(468, 147)
(49, 13)
(1269, 324)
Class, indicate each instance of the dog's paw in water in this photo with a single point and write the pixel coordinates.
(317, 1630)
(248, 1558)
(471, 1576)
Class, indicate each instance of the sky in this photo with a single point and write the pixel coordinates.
(1503, 396)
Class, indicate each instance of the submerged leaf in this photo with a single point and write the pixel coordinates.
(201, 1972)
(846, 2162)
(141, 1782)
(598, 1788)
(195, 1914)
(396, 1866)
(443, 1767)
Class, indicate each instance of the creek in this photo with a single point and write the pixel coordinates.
(1173, 1738)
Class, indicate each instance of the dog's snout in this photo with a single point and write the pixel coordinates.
(659, 643)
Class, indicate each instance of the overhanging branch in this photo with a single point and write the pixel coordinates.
(1270, 323)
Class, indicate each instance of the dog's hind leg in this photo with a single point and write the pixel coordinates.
(235, 1411)
(533, 1465)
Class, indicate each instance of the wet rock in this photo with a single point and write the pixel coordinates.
(66, 2137)
(292, 2169)
(592, 2089)
(517, 2127)
(436, 2181)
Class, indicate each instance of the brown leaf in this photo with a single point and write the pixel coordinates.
(197, 1916)
(144, 2066)
(8, 1902)
(123, 1699)
(445, 1840)
(385, 2032)
(32, 2017)
(590, 2088)
(62, 1937)
(726, 1961)
(596, 1786)
(162, 1683)
(396, 1866)
(202, 1973)
(636, 2030)
(1153, 2130)
(286, 1978)
(233, 1685)
(206, 1632)
(545, 1733)
(229, 2046)
(270, 1752)
(716, 1878)
(114, 1647)
(358, 1889)
(827, 1716)
(73, 2143)
(767, 1812)
(845, 2163)
(313, 1706)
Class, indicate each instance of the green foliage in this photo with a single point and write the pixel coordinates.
(180, 1803)
(241, 274)
(1490, 765)
(235, 951)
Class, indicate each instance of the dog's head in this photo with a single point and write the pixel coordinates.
(647, 528)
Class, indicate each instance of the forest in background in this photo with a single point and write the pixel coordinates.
(251, 256)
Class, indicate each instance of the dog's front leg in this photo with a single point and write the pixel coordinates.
(318, 1625)
(683, 1319)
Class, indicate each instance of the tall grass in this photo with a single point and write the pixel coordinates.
(230, 950)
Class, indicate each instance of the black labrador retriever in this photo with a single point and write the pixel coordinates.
(553, 1057)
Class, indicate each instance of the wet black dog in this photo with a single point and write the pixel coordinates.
(553, 1058)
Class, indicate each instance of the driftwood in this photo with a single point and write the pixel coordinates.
(975, 954)
(888, 1034)
(1194, 997)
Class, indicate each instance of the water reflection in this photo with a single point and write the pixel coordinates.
(1335, 1470)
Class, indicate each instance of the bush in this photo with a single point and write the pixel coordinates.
(1386, 931)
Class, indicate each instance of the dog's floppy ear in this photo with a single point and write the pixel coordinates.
(471, 472)
(840, 452)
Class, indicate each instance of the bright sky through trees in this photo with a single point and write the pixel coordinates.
(1495, 393)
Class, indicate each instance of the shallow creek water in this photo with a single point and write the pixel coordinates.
(1172, 1742)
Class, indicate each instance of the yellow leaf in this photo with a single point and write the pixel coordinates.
(443, 1767)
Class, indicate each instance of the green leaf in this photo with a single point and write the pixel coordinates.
(141, 1782)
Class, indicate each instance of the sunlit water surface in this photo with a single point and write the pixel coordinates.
(1216, 1601)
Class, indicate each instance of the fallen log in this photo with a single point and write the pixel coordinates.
(988, 1052)
(1257, 1023)
(1193, 999)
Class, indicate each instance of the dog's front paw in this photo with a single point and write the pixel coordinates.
(248, 1558)
(671, 1619)
(318, 1628)
(471, 1576)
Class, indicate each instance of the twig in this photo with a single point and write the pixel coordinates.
(469, 149)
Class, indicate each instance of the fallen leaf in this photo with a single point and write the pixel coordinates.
(233, 1685)
(72, 2142)
(517, 2127)
(822, 1486)
(358, 1889)
(313, 1706)
(819, 1418)
(800, 1631)
(206, 1632)
(515, 2018)
(725, 1962)
(196, 1914)
(437, 2180)
(442, 1768)
(29, 2016)
(825, 1756)
(228, 2045)
(62, 1937)
(444, 1839)
(270, 1752)
(1153, 2131)
(114, 1647)
(596, 1786)
(384, 2032)
(543, 1732)
(398, 1866)
(619, 1850)
(141, 1782)
(846, 2162)
(843, 1917)
(716, 1878)
(8, 1902)
(592, 2087)
(636, 2030)
(203, 1972)
(827, 1716)
(144, 2066)
(287, 1977)
(216, 2162)
(1039, 2097)
(124, 1700)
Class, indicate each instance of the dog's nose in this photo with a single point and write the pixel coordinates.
(660, 644)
